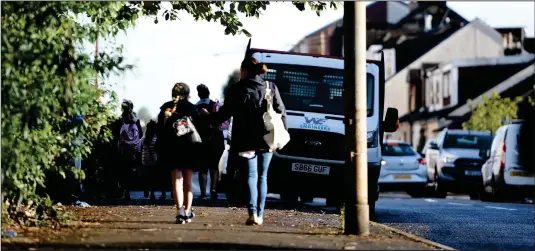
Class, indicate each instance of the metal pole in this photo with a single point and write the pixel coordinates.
(356, 208)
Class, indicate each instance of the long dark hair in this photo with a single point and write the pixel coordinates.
(253, 67)
(151, 131)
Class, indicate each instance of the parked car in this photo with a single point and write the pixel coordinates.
(454, 162)
(503, 172)
(402, 169)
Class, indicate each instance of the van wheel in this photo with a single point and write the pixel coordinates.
(289, 197)
(333, 202)
(307, 199)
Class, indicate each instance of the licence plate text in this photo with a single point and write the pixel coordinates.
(520, 174)
(472, 173)
(403, 177)
(308, 168)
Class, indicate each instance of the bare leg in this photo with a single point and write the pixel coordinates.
(203, 180)
(214, 177)
(188, 193)
(178, 191)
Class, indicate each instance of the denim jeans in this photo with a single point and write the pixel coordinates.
(257, 181)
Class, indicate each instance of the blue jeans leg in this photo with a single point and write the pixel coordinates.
(263, 166)
(256, 166)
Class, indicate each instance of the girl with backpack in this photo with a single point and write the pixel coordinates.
(177, 146)
(128, 133)
(246, 104)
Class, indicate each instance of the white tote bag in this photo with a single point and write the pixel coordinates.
(277, 136)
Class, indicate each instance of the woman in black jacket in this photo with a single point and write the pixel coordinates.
(178, 155)
(246, 104)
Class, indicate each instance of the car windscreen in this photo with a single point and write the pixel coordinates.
(313, 89)
(394, 149)
(468, 141)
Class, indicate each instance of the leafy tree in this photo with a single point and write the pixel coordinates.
(46, 81)
(492, 113)
(232, 79)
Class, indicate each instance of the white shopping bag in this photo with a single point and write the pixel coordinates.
(223, 163)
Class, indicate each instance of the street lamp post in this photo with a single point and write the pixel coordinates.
(356, 220)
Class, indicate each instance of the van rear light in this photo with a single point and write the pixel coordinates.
(421, 161)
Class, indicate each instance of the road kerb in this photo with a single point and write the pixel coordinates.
(412, 237)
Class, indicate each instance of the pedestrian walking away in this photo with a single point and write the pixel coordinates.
(178, 146)
(128, 133)
(149, 160)
(213, 145)
(246, 104)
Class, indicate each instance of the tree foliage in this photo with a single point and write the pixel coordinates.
(492, 113)
(47, 81)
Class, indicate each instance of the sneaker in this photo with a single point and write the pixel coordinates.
(190, 217)
(203, 197)
(251, 220)
(259, 221)
(180, 219)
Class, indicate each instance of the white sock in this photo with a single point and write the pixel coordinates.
(181, 211)
(188, 212)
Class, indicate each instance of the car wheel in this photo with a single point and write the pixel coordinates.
(474, 195)
(495, 192)
(439, 190)
(485, 195)
(418, 193)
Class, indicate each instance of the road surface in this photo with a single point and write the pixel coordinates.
(461, 223)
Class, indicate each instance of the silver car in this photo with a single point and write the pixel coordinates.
(402, 169)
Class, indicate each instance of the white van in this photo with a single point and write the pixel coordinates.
(503, 171)
(312, 163)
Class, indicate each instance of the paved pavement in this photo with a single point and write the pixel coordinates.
(455, 221)
(461, 223)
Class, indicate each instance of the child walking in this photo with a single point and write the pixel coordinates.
(149, 159)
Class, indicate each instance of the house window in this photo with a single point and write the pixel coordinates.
(446, 85)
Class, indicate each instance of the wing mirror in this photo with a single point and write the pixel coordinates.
(391, 122)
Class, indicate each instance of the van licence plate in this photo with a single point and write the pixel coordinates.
(308, 168)
(402, 177)
(519, 174)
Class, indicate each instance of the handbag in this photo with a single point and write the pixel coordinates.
(277, 136)
(183, 127)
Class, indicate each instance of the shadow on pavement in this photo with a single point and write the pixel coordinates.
(271, 204)
(151, 246)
